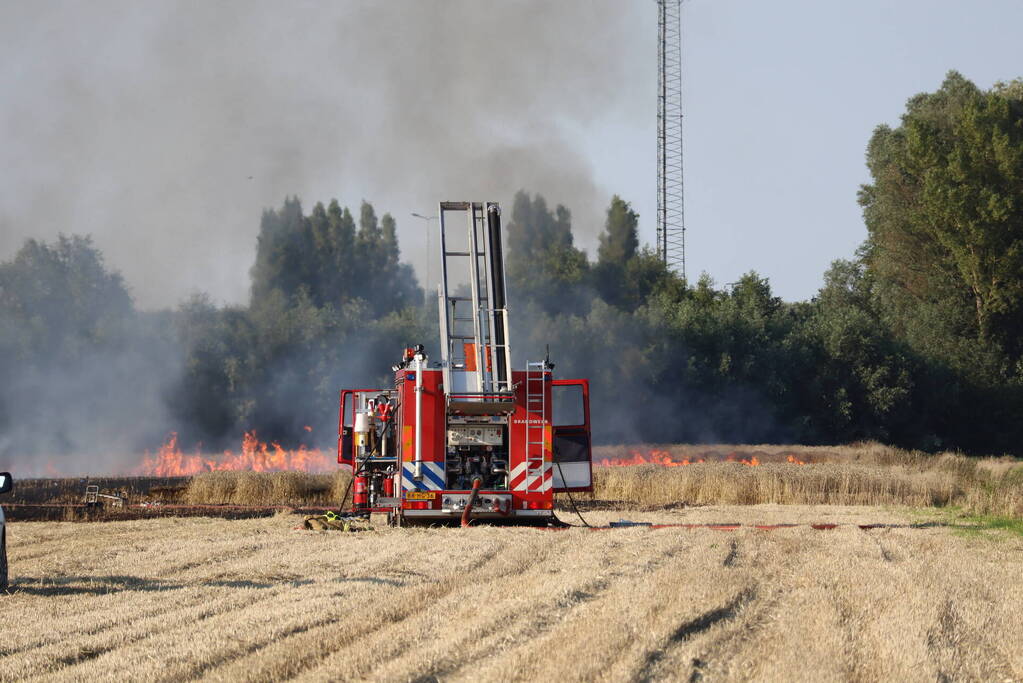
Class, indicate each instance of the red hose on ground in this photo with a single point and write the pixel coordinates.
(476, 483)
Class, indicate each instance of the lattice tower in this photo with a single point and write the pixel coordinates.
(671, 230)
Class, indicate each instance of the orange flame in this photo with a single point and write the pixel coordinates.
(794, 460)
(170, 461)
(655, 457)
(752, 461)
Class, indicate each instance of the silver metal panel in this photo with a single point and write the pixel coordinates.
(474, 284)
(577, 474)
(442, 293)
(475, 435)
(489, 321)
(491, 332)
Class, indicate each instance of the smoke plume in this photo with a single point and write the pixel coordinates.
(163, 129)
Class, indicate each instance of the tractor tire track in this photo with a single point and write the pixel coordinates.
(125, 636)
(950, 639)
(359, 626)
(228, 606)
(510, 621)
(455, 604)
(669, 562)
(733, 554)
(692, 627)
(221, 618)
(756, 599)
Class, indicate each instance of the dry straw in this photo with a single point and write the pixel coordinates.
(266, 488)
(859, 474)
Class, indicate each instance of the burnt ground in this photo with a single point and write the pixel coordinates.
(63, 499)
(71, 490)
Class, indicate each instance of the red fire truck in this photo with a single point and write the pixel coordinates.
(466, 435)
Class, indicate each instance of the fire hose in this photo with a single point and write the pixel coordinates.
(570, 499)
(476, 483)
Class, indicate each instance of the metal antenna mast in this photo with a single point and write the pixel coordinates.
(671, 229)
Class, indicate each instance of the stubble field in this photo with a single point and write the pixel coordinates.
(197, 598)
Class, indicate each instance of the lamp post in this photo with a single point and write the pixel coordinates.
(429, 255)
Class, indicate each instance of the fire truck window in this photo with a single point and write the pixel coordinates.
(568, 405)
(346, 411)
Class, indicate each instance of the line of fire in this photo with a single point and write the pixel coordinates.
(465, 434)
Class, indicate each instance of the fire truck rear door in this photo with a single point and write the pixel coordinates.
(573, 458)
(345, 445)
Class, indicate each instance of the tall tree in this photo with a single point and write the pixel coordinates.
(283, 248)
(945, 212)
(543, 266)
(617, 272)
(342, 232)
(60, 299)
(620, 239)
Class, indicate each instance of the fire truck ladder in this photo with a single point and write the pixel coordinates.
(536, 425)
(475, 353)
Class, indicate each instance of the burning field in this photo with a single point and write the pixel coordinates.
(254, 455)
(647, 477)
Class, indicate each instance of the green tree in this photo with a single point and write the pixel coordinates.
(205, 398)
(945, 216)
(83, 372)
(342, 230)
(620, 239)
(543, 268)
(283, 249)
(59, 301)
(860, 383)
(624, 275)
(323, 257)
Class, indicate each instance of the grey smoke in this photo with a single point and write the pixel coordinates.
(164, 128)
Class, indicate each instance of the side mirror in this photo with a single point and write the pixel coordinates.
(6, 482)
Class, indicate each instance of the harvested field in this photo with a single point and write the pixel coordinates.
(174, 599)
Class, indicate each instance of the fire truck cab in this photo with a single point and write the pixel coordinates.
(467, 431)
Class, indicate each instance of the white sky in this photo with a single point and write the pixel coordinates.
(141, 123)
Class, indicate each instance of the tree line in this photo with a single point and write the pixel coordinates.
(914, 340)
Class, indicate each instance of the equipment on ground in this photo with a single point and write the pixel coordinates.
(467, 437)
(92, 497)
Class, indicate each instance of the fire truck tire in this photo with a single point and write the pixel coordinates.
(3, 560)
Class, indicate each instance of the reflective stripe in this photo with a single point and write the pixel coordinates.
(516, 480)
(433, 477)
(434, 473)
(540, 481)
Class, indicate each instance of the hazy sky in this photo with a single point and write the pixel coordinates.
(164, 129)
